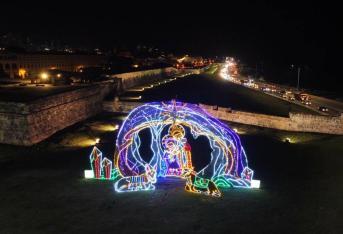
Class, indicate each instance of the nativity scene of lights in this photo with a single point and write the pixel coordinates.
(172, 152)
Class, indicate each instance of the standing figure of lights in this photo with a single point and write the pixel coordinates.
(177, 152)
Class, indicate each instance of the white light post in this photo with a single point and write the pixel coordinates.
(298, 78)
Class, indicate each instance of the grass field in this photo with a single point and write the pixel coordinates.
(207, 89)
(43, 190)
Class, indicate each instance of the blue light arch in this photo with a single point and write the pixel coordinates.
(228, 166)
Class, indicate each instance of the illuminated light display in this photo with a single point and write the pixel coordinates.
(102, 168)
(197, 184)
(137, 183)
(89, 174)
(177, 155)
(247, 174)
(96, 160)
(255, 183)
(106, 166)
(171, 153)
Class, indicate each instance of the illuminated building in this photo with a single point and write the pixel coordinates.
(30, 65)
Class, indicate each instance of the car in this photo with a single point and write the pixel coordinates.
(323, 109)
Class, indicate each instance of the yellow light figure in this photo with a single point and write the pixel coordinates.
(197, 184)
(177, 131)
(188, 156)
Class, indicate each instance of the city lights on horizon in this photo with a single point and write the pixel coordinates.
(229, 69)
(44, 76)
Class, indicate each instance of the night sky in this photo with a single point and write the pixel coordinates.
(273, 35)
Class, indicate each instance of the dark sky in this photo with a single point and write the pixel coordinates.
(208, 26)
(289, 32)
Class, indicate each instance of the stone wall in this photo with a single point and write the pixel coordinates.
(30, 123)
(295, 122)
(317, 123)
(131, 79)
(120, 106)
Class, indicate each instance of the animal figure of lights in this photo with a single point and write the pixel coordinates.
(197, 184)
(171, 154)
(138, 183)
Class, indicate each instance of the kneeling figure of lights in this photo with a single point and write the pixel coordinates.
(171, 151)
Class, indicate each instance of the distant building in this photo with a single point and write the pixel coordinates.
(30, 65)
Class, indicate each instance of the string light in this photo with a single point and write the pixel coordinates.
(95, 160)
(142, 182)
(101, 167)
(171, 152)
(106, 165)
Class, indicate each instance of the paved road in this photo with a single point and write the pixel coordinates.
(335, 107)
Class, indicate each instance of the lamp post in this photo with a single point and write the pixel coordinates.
(298, 78)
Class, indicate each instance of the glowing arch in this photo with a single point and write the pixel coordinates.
(228, 166)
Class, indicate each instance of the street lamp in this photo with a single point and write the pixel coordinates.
(44, 76)
(298, 78)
